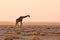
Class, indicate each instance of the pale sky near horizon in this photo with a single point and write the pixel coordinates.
(39, 10)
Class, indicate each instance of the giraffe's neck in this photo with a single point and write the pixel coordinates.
(25, 16)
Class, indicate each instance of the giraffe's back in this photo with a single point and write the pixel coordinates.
(19, 19)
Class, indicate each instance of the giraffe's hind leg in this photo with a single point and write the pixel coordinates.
(16, 24)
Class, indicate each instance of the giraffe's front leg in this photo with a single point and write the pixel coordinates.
(20, 23)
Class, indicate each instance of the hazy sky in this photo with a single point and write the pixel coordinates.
(40, 10)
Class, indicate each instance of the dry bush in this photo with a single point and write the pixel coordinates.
(35, 38)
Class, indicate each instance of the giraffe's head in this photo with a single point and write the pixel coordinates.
(28, 15)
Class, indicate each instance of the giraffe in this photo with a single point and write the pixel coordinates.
(20, 19)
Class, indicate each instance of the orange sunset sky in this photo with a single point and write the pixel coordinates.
(40, 10)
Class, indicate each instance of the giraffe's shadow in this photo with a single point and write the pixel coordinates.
(18, 29)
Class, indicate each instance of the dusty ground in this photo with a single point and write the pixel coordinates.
(30, 32)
